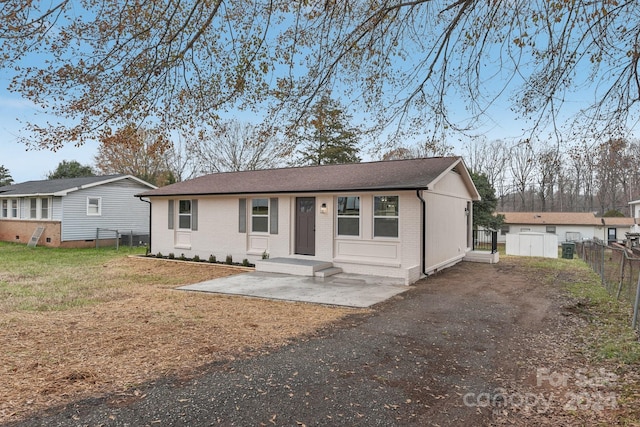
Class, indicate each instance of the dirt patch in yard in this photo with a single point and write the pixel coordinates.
(478, 344)
(136, 333)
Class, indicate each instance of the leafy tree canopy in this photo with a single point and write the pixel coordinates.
(5, 176)
(484, 210)
(97, 64)
(142, 153)
(70, 169)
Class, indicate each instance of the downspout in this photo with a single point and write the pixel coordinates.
(150, 211)
(423, 239)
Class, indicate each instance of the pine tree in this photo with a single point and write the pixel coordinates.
(328, 137)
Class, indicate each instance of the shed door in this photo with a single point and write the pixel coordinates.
(612, 235)
(306, 225)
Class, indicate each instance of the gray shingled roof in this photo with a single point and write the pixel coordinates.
(52, 186)
(388, 175)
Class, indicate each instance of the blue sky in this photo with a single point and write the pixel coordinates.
(30, 165)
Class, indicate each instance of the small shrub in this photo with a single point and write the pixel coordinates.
(172, 255)
(196, 258)
(182, 257)
(159, 255)
(245, 262)
(212, 258)
(229, 260)
(265, 255)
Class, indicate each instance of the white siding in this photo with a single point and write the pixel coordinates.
(586, 231)
(218, 231)
(447, 232)
(120, 210)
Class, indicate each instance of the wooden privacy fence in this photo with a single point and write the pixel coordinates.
(619, 270)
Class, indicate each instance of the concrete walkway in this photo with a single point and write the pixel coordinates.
(350, 290)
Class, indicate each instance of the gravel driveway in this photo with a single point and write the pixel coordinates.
(427, 357)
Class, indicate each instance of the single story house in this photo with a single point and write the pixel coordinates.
(568, 226)
(68, 212)
(401, 218)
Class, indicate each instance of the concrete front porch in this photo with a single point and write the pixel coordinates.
(297, 266)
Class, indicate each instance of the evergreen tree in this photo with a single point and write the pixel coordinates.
(328, 137)
(484, 210)
(5, 177)
(70, 169)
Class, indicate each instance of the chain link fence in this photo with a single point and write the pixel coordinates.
(619, 270)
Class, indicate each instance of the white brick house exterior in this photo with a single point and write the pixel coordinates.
(403, 218)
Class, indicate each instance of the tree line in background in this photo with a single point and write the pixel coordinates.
(525, 176)
(325, 137)
(584, 177)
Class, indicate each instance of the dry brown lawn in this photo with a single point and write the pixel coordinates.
(139, 329)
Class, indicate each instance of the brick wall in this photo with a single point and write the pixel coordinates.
(20, 231)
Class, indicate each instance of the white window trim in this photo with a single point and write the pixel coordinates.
(359, 216)
(99, 213)
(39, 208)
(11, 208)
(260, 216)
(185, 214)
(48, 208)
(374, 216)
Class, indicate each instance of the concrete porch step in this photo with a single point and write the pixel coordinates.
(328, 272)
(482, 257)
(295, 266)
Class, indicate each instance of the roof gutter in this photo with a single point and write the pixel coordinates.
(150, 211)
(423, 239)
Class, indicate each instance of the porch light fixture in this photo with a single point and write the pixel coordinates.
(323, 208)
(466, 211)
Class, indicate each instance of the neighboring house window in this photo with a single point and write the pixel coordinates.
(33, 208)
(14, 208)
(348, 213)
(551, 229)
(525, 229)
(260, 215)
(94, 205)
(4, 212)
(504, 230)
(38, 208)
(44, 208)
(385, 216)
(184, 214)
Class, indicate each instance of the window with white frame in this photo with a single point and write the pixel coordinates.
(385, 216)
(4, 208)
(551, 229)
(33, 208)
(94, 206)
(44, 208)
(260, 215)
(14, 208)
(348, 215)
(39, 208)
(184, 214)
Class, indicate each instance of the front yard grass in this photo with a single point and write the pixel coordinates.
(76, 323)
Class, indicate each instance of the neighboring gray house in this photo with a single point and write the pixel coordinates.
(568, 226)
(70, 211)
(401, 218)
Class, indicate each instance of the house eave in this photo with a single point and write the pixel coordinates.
(285, 192)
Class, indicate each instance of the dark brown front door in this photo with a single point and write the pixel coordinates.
(306, 225)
